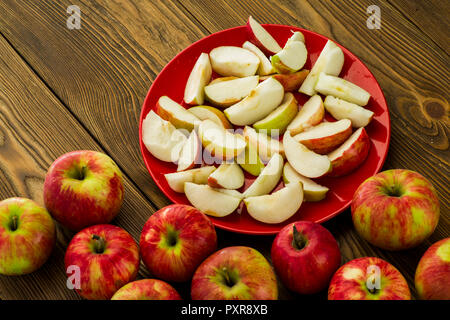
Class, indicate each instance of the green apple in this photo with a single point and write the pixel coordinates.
(250, 161)
(312, 190)
(291, 59)
(211, 113)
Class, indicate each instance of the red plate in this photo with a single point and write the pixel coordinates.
(172, 80)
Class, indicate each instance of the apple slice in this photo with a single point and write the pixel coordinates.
(341, 109)
(290, 81)
(291, 59)
(330, 61)
(278, 206)
(261, 38)
(233, 61)
(350, 154)
(227, 176)
(161, 138)
(265, 66)
(211, 113)
(191, 154)
(276, 122)
(176, 180)
(326, 136)
(265, 145)
(220, 142)
(303, 160)
(250, 161)
(198, 79)
(268, 179)
(224, 92)
(309, 115)
(258, 104)
(341, 88)
(312, 190)
(209, 200)
(177, 115)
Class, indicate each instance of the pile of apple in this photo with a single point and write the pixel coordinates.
(271, 139)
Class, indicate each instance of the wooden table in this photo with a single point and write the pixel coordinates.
(62, 90)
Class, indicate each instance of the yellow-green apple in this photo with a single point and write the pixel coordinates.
(259, 103)
(27, 236)
(330, 61)
(146, 289)
(176, 114)
(83, 188)
(276, 207)
(191, 154)
(310, 114)
(265, 145)
(395, 209)
(351, 154)
(291, 58)
(211, 201)
(233, 61)
(226, 91)
(341, 88)
(107, 258)
(304, 161)
(176, 180)
(234, 273)
(261, 38)
(290, 81)
(312, 191)
(326, 136)
(265, 66)
(175, 240)
(432, 278)
(276, 122)
(368, 278)
(305, 256)
(267, 179)
(341, 109)
(228, 176)
(161, 138)
(200, 75)
(250, 160)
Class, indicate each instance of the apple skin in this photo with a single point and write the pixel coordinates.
(307, 270)
(432, 279)
(253, 39)
(291, 81)
(106, 263)
(78, 202)
(349, 282)
(147, 289)
(26, 246)
(395, 209)
(250, 273)
(193, 235)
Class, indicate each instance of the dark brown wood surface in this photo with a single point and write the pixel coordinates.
(62, 90)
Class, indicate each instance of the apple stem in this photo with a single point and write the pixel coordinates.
(227, 277)
(99, 244)
(14, 223)
(298, 240)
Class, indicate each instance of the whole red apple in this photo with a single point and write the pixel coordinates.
(234, 273)
(107, 257)
(368, 279)
(305, 256)
(432, 278)
(175, 240)
(395, 209)
(27, 236)
(83, 188)
(147, 289)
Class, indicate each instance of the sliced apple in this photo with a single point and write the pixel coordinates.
(161, 138)
(343, 89)
(191, 154)
(303, 160)
(268, 179)
(309, 115)
(278, 206)
(227, 176)
(290, 81)
(250, 161)
(275, 123)
(259, 103)
(211, 113)
(326, 136)
(233, 61)
(341, 109)
(351, 154)
(291, 59)
(312, 191)
(261, 38)
(231, 192)
(296, 36)
(265, 145)
(265, 66)
(198, 79)
(226, 91)
(209, 200)
(330, 61)
(176, 180)
(177, 115)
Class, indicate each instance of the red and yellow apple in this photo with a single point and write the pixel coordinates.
(290, 81)
(261, 38)
(147, 289)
